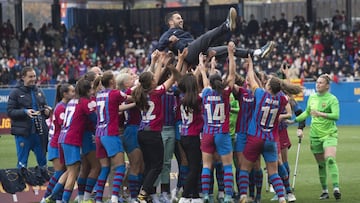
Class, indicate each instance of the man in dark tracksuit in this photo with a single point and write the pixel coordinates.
(176, 39)
(27, 108)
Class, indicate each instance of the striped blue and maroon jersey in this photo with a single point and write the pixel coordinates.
(247, 105)
(133, 115)
(107, 106)
(169, 107)
(192, 122)
(153, 118)
(57, 120)
(265, 120)
(77, 115)
(216, 110)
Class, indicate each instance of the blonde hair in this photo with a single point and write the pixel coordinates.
(120, 79)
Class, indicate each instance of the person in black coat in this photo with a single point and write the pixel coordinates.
(28, 109)
(176, 39)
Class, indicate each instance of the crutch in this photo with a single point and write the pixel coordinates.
(296, 164)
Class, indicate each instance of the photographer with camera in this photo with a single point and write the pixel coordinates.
(28, 110)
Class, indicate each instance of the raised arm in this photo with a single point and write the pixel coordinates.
(181, 57)
(251, 74)
(232, 65)
(202, 70)
(163, 62)
(175, 75)
(154, 59)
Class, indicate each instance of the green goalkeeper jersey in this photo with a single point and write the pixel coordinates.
(320, 126)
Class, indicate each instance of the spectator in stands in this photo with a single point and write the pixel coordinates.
(27, 109)
(283, 23)
(62, 78)
(253, 26)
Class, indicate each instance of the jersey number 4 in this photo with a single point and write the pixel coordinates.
(217, 115)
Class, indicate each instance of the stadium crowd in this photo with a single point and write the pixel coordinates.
(61, 55)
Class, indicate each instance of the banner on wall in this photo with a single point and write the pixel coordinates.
(299, 97)
(5, 124)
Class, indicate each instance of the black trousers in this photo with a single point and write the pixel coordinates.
(221, 52)
(202, 43)
(210, 40)
(191, 146)
(152, 148)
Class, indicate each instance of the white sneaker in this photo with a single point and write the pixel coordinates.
(195, 200)
(132, 200)
(220, 197)
(185, 200)
(175, 195)
(243, 199)
(43, 200)
(155, 198)
(291, 197)
(164, 198)
(275, 198)
(271, 189)
(249, 200)
(282, 200)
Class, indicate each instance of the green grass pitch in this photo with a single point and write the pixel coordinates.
(307, 187)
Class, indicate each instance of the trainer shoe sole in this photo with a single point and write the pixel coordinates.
(268, 49)
(232, 19)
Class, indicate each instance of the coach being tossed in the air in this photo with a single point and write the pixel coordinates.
(27, 109)
(176, 39)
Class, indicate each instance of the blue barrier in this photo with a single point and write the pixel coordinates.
(348, 94)
(50, 94)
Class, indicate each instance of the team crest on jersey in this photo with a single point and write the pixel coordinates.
(323, 105)
(92, 105)
(62, 115)
(39, 94)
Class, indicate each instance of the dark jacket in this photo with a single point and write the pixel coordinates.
(19, 100)
(185, 38)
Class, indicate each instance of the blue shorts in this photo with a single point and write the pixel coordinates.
(240, 142)
(71, 154)
(220, 142)
(178, 130)
(256, 146)
(108, 146)
(130, 138)
(88, 143)
(53, 153)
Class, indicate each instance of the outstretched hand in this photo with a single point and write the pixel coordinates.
(182, 55)
(201, 58)
(300, 133)
(231, 48)
(155, 55)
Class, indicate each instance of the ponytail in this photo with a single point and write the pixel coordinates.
(97, 83)
(60, 90)
(290, 89)
(140, 93)
(59, 96)
(188, 85)
(140, 98)
(216, 83)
